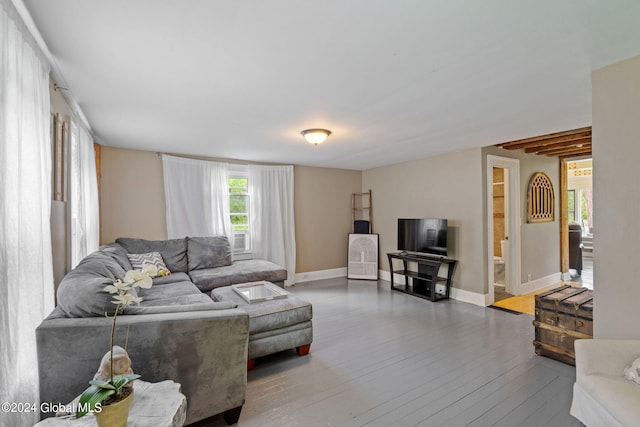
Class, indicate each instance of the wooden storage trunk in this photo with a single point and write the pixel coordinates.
(563, 315)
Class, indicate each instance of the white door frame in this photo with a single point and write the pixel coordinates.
(514, 220)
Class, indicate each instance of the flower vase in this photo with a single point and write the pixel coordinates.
(115, 414)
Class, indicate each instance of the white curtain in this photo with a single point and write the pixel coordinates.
(26, 271)
(271, 216)
(197, 197)
(83, 197)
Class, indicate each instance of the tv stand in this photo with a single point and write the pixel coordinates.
(423, 282)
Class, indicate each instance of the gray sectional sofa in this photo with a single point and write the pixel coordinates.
(177, 332)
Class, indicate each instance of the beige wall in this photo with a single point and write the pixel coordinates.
(453, 186)
(616, 109)
(132, 199)
(447, 186)
(323, 216)
(132, 205)
(539, 242)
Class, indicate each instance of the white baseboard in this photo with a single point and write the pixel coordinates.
(454, 293)
(321, 274)
(470, 297)
(540, 283)
(384, 275)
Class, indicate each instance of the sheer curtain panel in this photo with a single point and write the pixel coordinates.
(272, 221)
(26, 271)
(83, 197)
(197, 197)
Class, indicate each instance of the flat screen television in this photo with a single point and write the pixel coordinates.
(424, 235)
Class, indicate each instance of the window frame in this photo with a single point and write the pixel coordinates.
(240, 172)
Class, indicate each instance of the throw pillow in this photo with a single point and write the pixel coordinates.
(138, 261)
(173, 251)
(632, 372)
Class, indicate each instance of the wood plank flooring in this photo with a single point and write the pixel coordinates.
(526, 303)
(382, 358)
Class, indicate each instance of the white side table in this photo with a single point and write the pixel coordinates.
(154, 405)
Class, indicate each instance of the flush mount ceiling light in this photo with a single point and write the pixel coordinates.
(315, 136)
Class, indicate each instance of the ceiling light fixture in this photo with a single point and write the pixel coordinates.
(315, 136)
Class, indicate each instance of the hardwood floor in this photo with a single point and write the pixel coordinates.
(526, 303)
(500, 294)
(389, 359)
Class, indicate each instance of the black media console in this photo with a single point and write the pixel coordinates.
(423, 282)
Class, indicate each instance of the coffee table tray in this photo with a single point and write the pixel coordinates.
(259, 291)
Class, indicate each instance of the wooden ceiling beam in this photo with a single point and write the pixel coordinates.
(562, 152)
(547, 139)
(574, 155)
(572, 143)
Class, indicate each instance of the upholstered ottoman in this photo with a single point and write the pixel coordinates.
(274, 325)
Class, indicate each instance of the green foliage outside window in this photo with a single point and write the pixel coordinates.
(239, 203)
(572, 205)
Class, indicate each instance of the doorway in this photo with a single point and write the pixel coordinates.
(579, 218)
(503, 230)
(500, 234)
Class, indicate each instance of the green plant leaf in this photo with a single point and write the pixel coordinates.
(92, 395)
(120, 381)
(99, 390)
(102, 384)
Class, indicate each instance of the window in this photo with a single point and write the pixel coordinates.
(239, 210)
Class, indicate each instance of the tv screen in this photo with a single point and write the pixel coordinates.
(426, 235)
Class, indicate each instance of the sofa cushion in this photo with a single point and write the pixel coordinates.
(244, 271)
(172, 278)
(171, 291)
(81, 293)
(179, 308)
(186, 299)
(118, 254)
(208, 252)
(174, 251)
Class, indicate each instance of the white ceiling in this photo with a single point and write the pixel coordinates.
(394, 80)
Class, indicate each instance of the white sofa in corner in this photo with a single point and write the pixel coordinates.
(602, 396)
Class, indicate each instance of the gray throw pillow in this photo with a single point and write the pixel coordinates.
(208, 252)
(173, 251)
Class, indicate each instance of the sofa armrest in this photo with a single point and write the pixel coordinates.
(205, 351)
(604, 356)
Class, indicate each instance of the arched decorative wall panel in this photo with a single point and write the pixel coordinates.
(541, 199)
